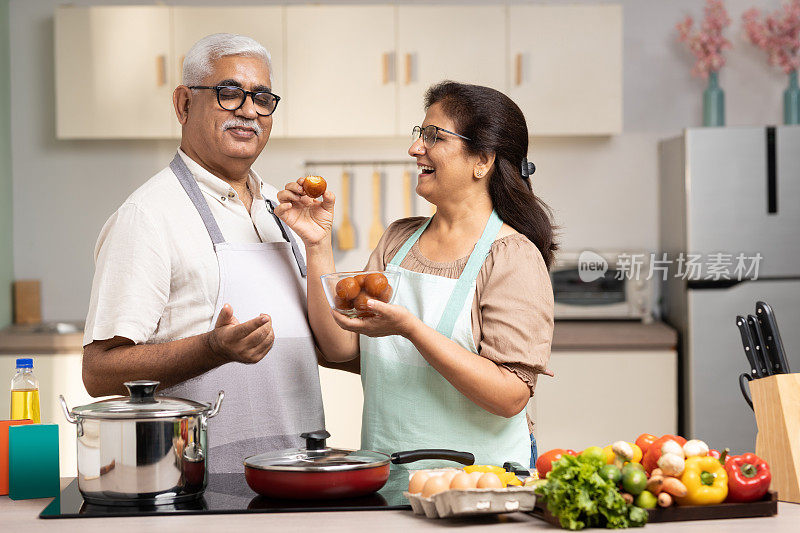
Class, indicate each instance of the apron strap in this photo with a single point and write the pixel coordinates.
(403, 251)
(287, 234)
(463, 286)
(190, 186)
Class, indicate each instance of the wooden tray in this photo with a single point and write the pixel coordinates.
(768, 506)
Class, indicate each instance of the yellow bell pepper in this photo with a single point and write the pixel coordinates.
(509, 478)
(484, 468)
(706, 481)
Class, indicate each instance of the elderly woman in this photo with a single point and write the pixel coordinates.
(453, 361)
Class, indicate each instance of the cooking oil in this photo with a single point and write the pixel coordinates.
(25, 393)
(25, 404)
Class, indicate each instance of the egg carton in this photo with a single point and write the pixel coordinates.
(468, 502)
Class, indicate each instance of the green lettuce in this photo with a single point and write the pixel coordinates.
(579, 497)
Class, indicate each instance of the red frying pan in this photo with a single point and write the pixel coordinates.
(319, 472)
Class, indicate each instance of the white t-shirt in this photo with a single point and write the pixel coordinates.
(156, 273)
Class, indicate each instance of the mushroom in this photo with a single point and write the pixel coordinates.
(671, 464)
(694, 448)
(623, 452)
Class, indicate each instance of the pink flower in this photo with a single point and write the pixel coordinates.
(707, 43)
(778, 34)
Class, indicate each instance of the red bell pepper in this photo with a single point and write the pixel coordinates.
(748, 478)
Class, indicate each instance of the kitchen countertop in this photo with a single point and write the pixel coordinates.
(23, 516)
(568, 335)
(48, 337)
(613, 335)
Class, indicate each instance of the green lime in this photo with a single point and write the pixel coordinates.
(632, 466)
(634, 481)
(646, 500)
(593, 454)
(611, 473)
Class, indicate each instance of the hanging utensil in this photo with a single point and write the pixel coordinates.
(345, 235)
(776, 355)
(406, 193)
(376, 229)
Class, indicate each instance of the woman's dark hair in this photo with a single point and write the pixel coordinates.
(496, 125)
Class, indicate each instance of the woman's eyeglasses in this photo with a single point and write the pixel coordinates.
(429, 135)
(231, 98)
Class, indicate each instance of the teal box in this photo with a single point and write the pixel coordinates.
(33, 461)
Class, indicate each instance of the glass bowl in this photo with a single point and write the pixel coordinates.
(350, 297)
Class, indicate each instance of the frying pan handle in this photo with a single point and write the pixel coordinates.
(465, 458)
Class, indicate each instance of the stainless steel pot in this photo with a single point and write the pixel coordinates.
(142, 449)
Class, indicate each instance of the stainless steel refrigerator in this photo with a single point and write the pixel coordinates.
(728, 191)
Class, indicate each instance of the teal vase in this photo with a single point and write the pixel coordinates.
(791, 101)
(713, 102)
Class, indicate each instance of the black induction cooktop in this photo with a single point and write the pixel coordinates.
(229, 493)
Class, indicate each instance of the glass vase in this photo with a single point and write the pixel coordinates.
(713, 102)
(791, 101)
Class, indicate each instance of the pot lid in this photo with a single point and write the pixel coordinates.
(142, 403)
(316, 457)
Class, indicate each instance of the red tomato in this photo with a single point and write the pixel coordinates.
(545, 461)
(650, 459)
(644, 441)
(573, 453)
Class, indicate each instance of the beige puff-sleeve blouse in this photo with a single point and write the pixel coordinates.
(512, 313)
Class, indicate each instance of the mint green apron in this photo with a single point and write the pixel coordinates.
(407, 403)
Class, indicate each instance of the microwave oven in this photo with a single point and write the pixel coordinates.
(603, 285)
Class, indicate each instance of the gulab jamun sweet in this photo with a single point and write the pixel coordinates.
(347, 288)
(375, 284)
(314, 186)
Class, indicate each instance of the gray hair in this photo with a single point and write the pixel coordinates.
(200, 58)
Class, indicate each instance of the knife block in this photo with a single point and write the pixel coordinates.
(776, 402)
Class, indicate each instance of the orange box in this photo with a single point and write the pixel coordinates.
(4, 424)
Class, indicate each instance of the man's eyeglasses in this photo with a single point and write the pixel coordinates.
(232, 98)
(429, 135)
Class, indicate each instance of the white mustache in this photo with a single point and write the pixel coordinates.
(241, 123)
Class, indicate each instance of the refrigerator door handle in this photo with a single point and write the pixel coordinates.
(772, 172)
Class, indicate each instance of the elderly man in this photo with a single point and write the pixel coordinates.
(198, 284)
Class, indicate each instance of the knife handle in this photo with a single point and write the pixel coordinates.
(749, 346)
(758, 338)
(773, 338)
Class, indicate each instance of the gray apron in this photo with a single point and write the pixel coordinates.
(268, 404)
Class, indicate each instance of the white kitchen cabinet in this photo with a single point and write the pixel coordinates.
(339, 71)
(58, 373)
(565, 65)
(599, 397)
(264, 24)
(434, 43)
(112, 68)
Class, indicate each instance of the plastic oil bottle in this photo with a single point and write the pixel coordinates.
(25, 392)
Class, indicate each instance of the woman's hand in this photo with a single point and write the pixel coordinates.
(311, 219)
(388, 320)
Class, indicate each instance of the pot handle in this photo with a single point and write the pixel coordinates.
(465, 458)
(71, 419)
(213, 412)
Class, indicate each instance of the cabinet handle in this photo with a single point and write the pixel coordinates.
(386, 65)
(408, 69)
(161, 70)
(518, 70)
